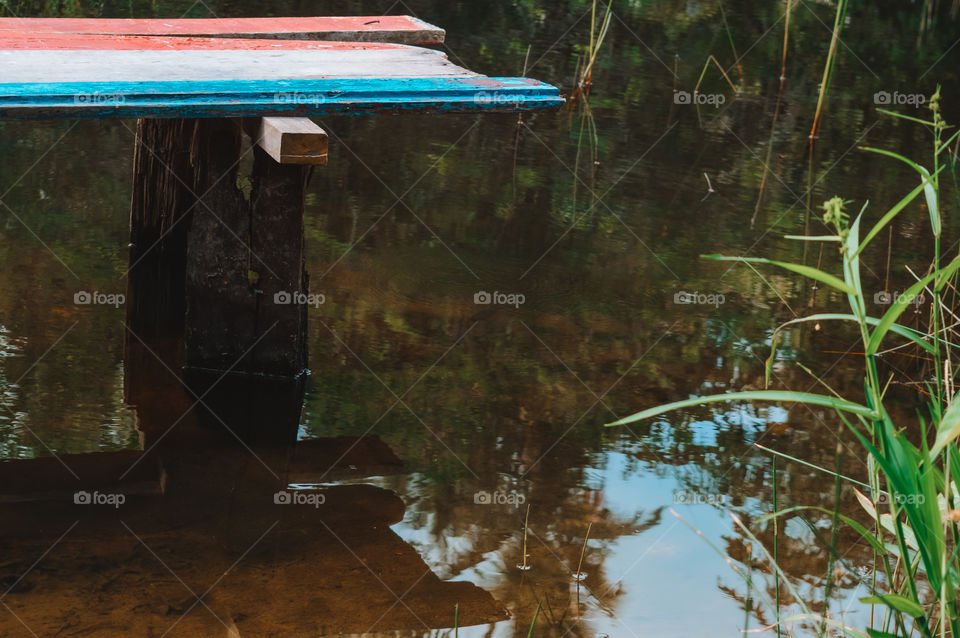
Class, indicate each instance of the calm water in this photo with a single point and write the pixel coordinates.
(596, 217)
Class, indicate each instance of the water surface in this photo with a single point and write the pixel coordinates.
(596, 216)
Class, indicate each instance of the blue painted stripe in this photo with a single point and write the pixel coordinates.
(235, 98)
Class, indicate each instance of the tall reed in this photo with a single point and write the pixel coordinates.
(828, 67)
(733, 47)
(913, 499)
(584, 73)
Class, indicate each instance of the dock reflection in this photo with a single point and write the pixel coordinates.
(224, 525)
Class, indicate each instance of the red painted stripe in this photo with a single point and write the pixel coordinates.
(212, 26)
(76, 42)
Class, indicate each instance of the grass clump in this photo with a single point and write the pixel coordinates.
(913, 500)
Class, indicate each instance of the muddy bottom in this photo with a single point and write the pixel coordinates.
(221, 550)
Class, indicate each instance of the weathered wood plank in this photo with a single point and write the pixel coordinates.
(403, 29)
(13, 41)
(199, 65)
(293, 140)
(276, 97)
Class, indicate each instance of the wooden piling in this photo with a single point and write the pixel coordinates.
(216, 254)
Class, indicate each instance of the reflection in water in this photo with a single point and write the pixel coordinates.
(203, 534)
(216, 555)
(477, 398)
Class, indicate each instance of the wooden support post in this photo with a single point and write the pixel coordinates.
(246, 287)
(217, 280)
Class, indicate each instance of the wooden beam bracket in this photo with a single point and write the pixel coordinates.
(292, 140)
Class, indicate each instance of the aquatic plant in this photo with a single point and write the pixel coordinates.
(838, 22)
(913, 501)
(536, 616)
(598, 32)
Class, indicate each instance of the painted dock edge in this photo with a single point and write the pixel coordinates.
(286, 97)
(398, 29)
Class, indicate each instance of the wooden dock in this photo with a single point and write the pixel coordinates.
(213, 267)
(53, 68)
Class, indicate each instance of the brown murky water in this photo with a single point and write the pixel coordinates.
(431, 424)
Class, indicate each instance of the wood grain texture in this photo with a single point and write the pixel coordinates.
(278, 97)
(197, 66)
(404, 29)
(62, 74)
(293, 140)
(13, 41)
(214, 239)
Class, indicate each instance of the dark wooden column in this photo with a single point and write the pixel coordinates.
(217, 279)
(211, 248)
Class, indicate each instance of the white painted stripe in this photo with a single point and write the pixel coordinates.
(202, 66)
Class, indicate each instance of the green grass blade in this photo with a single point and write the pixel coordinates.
(896, 602)
(813, 237)
(893, 212)
(949, 428)
(775, 396)
(909, 333)
(794, 459)
(905, 117)
(928, 188)
(876, 543)
(901, 303)
(851, 266)
(931, 195)
(950, 141)
(806, 271)
(880, 151)
(535, 617)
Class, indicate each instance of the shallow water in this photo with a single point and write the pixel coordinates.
(413, 217)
